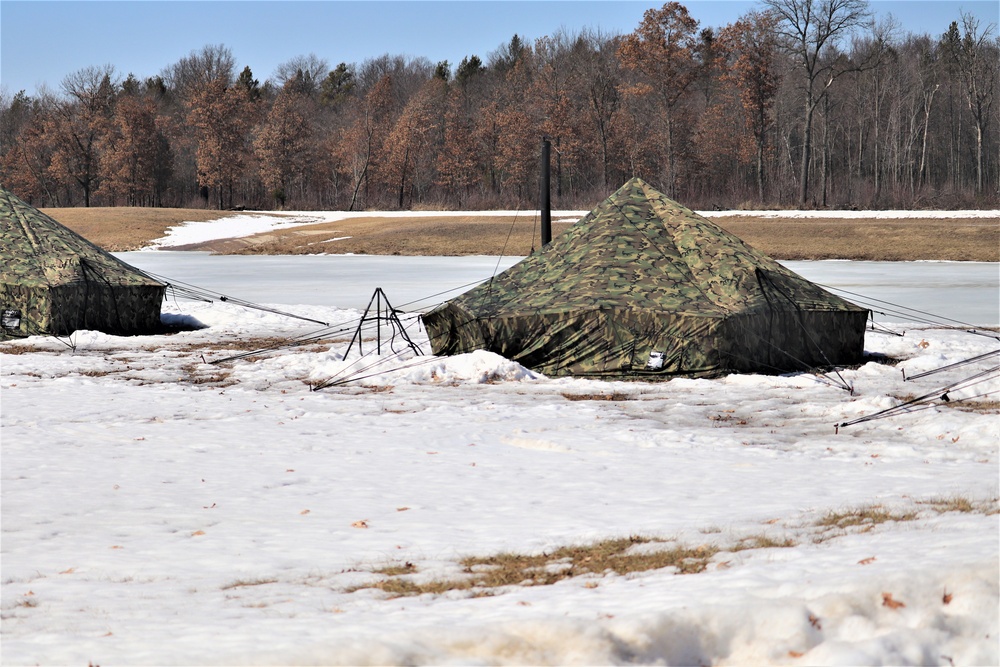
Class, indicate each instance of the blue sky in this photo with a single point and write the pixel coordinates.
(42, 41)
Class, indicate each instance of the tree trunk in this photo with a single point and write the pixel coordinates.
(826, 147)
(922, 171)
(806, 152)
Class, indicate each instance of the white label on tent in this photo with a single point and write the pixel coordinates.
(10, 319)
(655, 362)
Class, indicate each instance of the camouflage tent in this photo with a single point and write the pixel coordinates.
(642, 286)
(53, 281)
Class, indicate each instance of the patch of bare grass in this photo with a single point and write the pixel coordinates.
(762, 541)
(244, 583)
(249, 344)
(396, 569)
(21, 348)
(866, 517)
(484, 575)
(963, 505)
(613, 396)
(98, 372)
(492, 574)
(983, 407)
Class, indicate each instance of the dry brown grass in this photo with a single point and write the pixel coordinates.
(21, 348)
(975, 239)
(963, 505)
(979, 406)
(873, 239)
(613, 396)
(119, 229)
(866, 517)
(485, 574)
(429, 236)
(244, 583)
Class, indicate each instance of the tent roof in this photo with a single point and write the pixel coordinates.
(639, 249)
(37, 250)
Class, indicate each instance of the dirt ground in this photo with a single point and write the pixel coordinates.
(974, 239)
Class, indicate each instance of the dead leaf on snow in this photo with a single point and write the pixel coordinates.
(867, 561)
(360, 524)
(887, 601)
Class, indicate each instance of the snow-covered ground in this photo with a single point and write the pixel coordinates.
(159, 509)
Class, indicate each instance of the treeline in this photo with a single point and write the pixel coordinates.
(804, 103)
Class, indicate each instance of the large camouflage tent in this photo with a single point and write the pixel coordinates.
(644, 287)
(53, 281)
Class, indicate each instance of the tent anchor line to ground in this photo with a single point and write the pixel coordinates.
(184, 290)
(927, 400)
(963, 362)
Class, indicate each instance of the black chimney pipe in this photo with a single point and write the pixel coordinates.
(545, 203)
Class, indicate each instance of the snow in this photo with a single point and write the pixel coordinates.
(159, 509)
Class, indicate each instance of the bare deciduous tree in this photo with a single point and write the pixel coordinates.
(808, 29)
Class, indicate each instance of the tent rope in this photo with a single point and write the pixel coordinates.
(922, 316)
(942, 393)
(202, 294)
(963, 362)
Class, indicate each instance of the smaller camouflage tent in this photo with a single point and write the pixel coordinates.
(642, 286)
(53, 281)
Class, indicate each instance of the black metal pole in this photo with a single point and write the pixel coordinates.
(545, 203)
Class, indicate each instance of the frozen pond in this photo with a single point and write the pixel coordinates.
(968, 292)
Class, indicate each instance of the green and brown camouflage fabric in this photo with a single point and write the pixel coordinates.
(642, 286)
(53, 281)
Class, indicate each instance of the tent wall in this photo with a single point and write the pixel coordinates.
(90, 304)
(624, 343)
(789, 340)
(113, 309)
